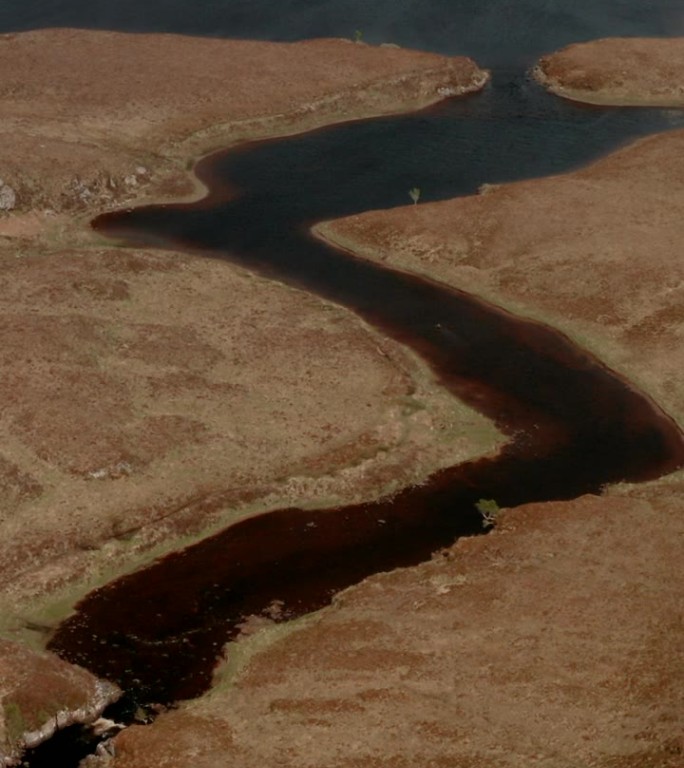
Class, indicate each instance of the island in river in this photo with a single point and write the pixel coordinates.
(553, 640)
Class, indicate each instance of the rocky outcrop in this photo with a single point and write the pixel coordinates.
(41, 694)
(8, 197)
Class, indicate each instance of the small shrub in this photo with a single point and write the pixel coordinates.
(414, 194)
(489, 510)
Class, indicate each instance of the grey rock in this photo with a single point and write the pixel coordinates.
(8, 197)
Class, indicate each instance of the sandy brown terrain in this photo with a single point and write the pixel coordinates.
(150, 397)
(629, 71)
(552, 642)
(93, 117)
(155, 386)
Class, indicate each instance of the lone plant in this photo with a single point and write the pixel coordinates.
(489, 510)
(358, 36)
(414, 194)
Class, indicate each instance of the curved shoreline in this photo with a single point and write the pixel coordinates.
(100, 616)
(403, 80)
(619, 299)
(171, 102)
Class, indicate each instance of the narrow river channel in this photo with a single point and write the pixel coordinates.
(573, 425)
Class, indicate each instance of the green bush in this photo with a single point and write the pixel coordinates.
(489, 510)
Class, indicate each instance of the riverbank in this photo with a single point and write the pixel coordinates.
(593, 253)
(639, 72)
(143, 406)
(93, 119)
(555, 640)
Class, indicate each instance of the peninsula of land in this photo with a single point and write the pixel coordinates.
(620, 71)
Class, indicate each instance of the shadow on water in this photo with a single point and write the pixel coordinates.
(573, 425)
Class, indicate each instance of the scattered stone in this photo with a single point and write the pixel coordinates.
(103, 726)
(8, 197)
(120, 469)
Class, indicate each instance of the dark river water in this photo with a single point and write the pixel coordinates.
(573, 426)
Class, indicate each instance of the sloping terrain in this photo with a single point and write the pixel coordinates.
(40, 693)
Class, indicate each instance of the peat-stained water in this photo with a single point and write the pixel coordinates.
(573, 425)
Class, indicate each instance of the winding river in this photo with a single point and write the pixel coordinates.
(573, 425)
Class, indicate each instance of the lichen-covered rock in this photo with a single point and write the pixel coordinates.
(8, 197)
